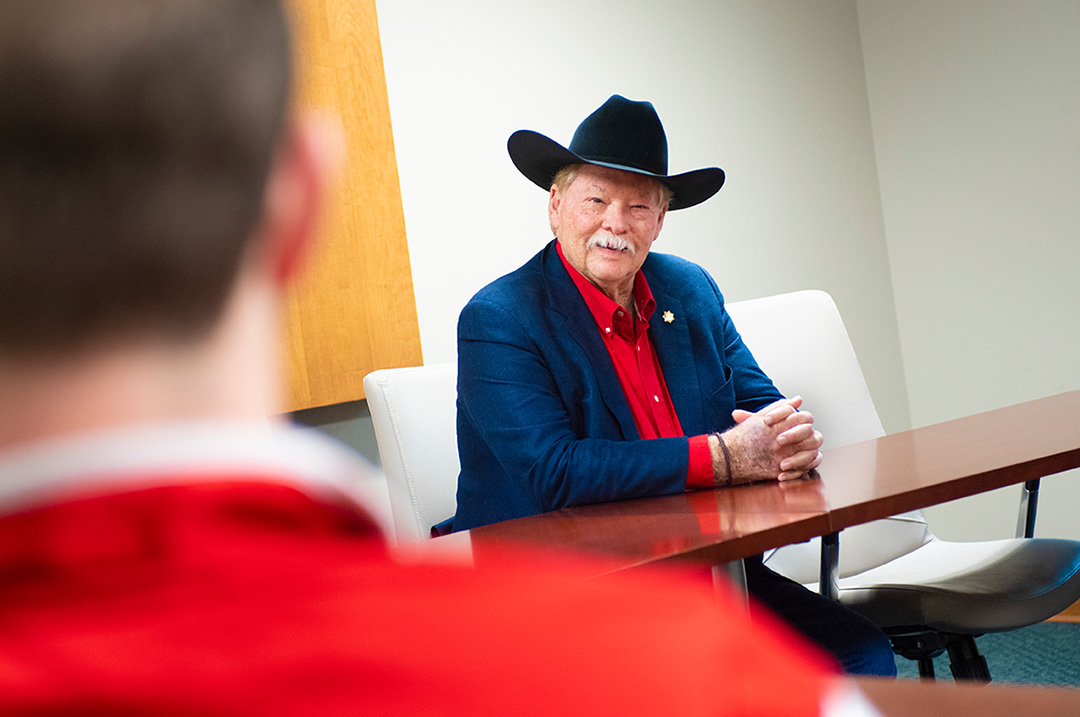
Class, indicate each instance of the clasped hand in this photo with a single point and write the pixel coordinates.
(778, 442)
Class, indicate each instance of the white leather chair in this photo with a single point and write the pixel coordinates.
(414, 412)
(929, 595)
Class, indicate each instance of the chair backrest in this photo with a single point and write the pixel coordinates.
(799, 340)
(414, 414)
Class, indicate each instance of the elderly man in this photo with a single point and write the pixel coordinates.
(164, 548)
(595, 344)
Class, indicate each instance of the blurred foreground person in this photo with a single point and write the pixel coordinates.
(165, 548)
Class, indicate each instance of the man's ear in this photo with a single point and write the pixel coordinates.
(553, 209)
(307, 160)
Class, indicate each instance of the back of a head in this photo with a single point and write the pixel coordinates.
(135, 141)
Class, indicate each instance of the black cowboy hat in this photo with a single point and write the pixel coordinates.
(621, 134)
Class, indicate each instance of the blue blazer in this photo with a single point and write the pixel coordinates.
(542, 421)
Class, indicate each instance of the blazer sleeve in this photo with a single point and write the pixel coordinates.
(532, 412)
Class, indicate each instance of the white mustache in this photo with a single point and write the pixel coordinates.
(610, 241)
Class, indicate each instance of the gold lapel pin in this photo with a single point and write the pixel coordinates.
(668, 317)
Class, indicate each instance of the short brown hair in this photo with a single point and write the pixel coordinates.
(135, 141)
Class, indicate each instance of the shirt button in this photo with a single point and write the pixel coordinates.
(656, 398)
(607, 329)
(619, 313)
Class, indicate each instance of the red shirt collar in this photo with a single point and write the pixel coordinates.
(609, 316)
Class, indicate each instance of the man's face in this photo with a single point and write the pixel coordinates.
(606, 222)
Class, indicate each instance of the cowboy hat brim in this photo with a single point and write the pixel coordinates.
(540, 158)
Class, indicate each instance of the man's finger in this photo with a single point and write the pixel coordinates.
(778, 411)
(778, 414)
(797, 434)
(801, 461)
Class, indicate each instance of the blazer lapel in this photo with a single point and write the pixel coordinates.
(565, 300)
(674, 350)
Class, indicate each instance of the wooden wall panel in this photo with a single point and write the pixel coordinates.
(354, 309)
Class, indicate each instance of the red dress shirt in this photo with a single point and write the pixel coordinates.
(626, 339)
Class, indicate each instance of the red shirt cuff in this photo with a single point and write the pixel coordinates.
(700, 473)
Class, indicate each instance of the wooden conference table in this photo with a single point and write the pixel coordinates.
(857, 483)
(911, 698)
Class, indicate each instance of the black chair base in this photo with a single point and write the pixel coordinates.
(923, 645)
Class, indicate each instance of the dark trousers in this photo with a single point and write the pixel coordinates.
(858, 645)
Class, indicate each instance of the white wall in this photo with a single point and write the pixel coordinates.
(976, 117)
(772, 92)
(955, 276)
